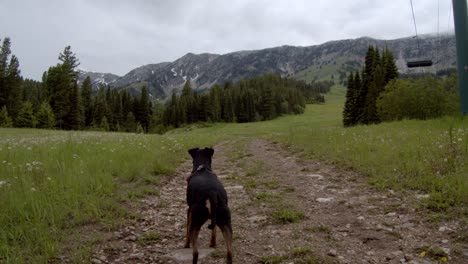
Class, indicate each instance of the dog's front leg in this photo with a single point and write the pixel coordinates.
(189, 222)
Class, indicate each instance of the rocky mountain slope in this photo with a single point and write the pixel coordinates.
(97, 78)
(331, 60)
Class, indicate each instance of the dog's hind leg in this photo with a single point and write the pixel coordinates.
(213, 238)
(194, 238)
(189, 223)
(227, 234)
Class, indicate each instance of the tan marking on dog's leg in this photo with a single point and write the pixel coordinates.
(189, 222)
(227, 234)
(208, 205)
(194, 239)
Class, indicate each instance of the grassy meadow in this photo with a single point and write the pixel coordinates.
(53, 183)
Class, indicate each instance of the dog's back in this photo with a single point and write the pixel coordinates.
(207, 196)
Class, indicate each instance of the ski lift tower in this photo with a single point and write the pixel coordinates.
(460, 16)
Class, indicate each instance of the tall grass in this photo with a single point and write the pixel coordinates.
(51, 181)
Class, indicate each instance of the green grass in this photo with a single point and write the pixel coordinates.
(54, 182)
(149, 238)
(287, 215)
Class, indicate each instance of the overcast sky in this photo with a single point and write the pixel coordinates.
(119, 35)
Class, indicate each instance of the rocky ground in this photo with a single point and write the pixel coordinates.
(287, 209)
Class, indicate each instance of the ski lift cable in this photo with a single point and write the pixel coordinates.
(418, 62)
(414, 20)
(450, 13)
(438, 35)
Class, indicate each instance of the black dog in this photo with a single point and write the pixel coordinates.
(206, 199)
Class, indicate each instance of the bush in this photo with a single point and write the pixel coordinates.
(5, 119)
(45, 116)
(423, 98)
(25, 116)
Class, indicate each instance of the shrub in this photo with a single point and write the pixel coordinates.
(423, 98)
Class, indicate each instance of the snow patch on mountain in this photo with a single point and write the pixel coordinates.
(196, 77)
(174, 72)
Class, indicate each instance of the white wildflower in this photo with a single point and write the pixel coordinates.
(445, 160)
(2, 183)
(33, 189)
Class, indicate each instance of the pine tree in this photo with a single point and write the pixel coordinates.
(140, 129)
(104, 125)
(86, 101)
(99, 106)
(130, 125)
(215, 103)
(228, 109)
(267, 105)
(69, 62)
(74, 118)
(157, 118)
(250, 105)
(367, 78)
(391, 70)
(32, 91)
(118, 111)
(4, 54)
(13, 82)
(356, 98)
(44, 89)
(45, 116)
(142, 109)
(5, 119)
(25, 116)
(203, 108)
(350, 104)
(58, 85)
(10, 80)
(187, 104)
(172, 116)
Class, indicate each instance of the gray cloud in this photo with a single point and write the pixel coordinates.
(117, 36)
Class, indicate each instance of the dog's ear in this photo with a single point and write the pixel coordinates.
(210, 151)
(193, 152)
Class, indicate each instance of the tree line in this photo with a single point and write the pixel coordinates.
(257, 99)
(59, 102)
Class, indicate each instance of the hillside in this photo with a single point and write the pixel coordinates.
(332, 59)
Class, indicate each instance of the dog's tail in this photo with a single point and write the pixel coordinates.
(212, 209)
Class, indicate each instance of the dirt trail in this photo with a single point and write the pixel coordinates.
(344, 220)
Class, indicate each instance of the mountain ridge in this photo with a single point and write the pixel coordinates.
(330, 60)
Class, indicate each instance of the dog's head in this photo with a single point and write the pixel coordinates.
(201, 157)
